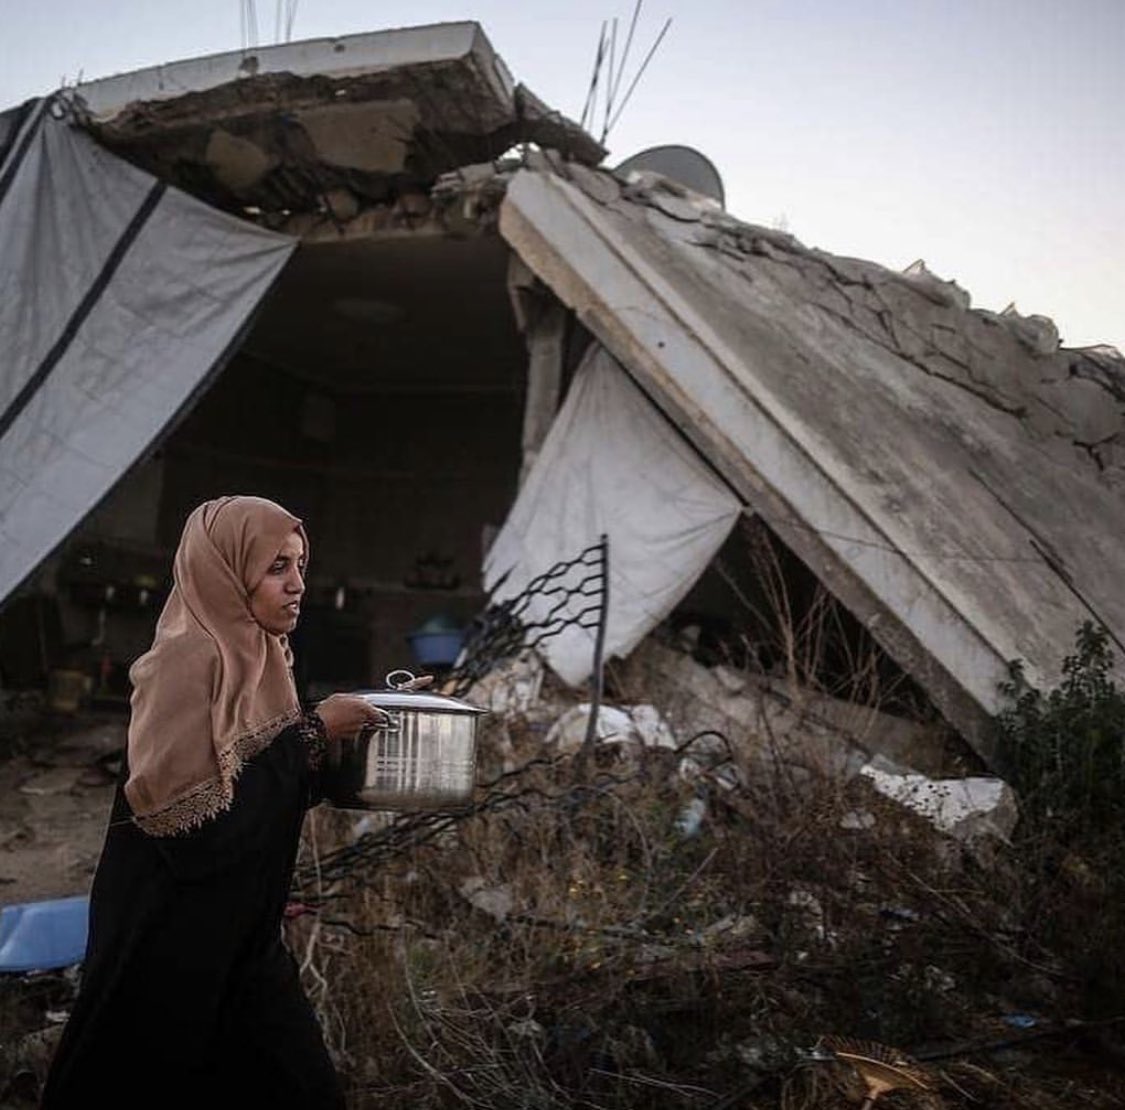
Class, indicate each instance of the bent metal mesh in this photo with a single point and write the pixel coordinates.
(501, 630)
(578, 594)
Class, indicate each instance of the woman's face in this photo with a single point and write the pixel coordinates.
(275, 602)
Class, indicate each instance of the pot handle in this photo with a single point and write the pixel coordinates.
(406, 680)
(391, 722)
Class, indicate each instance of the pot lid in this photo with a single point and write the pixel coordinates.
(404, 691)
(418, 700)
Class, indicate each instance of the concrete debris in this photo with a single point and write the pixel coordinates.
(966, 809)
(763, 1054)
(473, 177)
(58, 780)
(369, 115)
(640, 724)
(1037, 333)
(633, 1047)
(937, 980)
(11, 837)
(735, 926)
(512, 687)
(371, 137)
(600, 187)
(527, 1028)
(770, 722)
(690, 819)
(496, 901)
(547, 128)
(670, 197)
(706, 753)
(808, 914)
(946, 293)
(237, 163)
(341, 204)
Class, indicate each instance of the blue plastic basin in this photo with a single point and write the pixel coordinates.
(40, 936)
(436, 648)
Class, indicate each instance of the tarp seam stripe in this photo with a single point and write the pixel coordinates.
(22, 114)
(85, 307)
(182, 411)
(20, 147)
(31, 116)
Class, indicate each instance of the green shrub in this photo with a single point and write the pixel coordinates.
(1065, 750)
(1064, 753)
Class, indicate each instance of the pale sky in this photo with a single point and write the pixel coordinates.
(986, 137)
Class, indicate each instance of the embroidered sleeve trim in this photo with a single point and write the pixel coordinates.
(313, 732)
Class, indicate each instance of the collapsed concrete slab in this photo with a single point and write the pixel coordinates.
(952, 476)
(280, 128)
(774, 723)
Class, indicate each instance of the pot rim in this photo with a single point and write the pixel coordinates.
(420, 701)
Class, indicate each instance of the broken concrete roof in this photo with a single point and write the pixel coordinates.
(953, 475)
(277, 127)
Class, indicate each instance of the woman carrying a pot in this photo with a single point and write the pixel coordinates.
(188, 995)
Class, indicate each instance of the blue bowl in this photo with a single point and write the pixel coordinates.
(41, 936)
(436, 649)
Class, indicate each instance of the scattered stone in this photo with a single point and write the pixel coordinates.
(858, 820)
(496, 901)
(58, 780)
(512, 687)
(616, 724)
(966, 809)
(527, 1028)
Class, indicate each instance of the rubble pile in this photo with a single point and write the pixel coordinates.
(681, 921)
(747, 895)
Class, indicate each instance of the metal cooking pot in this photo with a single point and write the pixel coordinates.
(423, 756)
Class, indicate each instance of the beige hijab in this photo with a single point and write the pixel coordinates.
(215, 688)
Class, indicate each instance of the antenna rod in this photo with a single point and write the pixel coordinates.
(628, 43)
(594, 77)
(609, 83)
(644, 66)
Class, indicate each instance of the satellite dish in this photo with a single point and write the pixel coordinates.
(682, 164)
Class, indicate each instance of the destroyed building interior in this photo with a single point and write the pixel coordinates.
(876, 496)
(379, 394)
(398, 378)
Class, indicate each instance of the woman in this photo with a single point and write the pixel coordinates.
(188, 995)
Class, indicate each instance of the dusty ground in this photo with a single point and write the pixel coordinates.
(56, 787)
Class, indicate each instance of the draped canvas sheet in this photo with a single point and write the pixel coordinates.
(611, 464)
(119, 298)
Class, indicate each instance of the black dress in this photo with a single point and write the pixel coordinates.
(189, 996)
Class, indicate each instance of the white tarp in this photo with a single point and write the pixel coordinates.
(119, 298)
(611, 464)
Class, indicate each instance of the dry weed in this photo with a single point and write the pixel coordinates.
(571, 942)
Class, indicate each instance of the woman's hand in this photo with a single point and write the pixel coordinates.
(345, 715)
